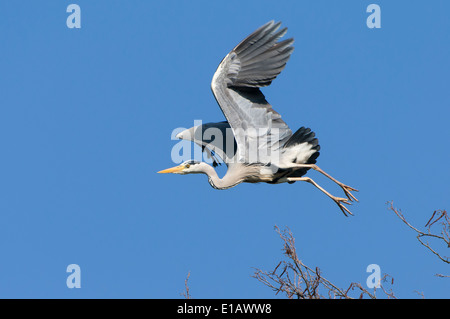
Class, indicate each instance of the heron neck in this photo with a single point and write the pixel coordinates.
(228, 181)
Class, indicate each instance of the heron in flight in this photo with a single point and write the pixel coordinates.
(263, 147)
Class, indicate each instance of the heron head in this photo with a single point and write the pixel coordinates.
(188, 167)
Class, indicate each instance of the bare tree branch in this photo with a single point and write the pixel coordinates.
(186, 293)
(439, 217)
(296, 280)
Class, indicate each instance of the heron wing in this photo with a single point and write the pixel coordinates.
(252, 64)
(214, 136)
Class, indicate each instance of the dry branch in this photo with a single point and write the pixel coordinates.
(439, 217)
(294, 279)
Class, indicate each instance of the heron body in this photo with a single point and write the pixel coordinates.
(254, 142)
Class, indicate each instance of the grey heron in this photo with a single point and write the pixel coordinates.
(254, 125)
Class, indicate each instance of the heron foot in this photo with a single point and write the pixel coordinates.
(340, 202)
(347, 190)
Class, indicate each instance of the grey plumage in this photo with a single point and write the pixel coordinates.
(252, 64)
(252, 125)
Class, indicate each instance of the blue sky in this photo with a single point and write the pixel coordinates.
(86, 117)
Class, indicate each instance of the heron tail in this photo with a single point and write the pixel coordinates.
(306, 148)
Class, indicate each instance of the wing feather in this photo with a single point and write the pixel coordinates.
(254, 63)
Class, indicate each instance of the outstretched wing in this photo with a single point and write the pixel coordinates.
(253, 63)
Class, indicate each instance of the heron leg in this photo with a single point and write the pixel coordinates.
(347, 189)
(338, 200)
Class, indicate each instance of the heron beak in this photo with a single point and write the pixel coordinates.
(175, 169)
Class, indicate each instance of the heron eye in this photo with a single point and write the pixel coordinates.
(187, 165)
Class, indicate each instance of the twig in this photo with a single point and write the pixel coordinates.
(435, 217)
(296, 280)
(186, 293)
